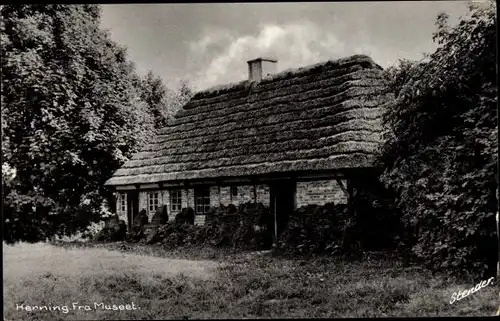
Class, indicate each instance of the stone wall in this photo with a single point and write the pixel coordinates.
(163, 199)
(263, 195)
(320, 192)
(244, 194)
(313, 192)
(215, 195)
(188, 198)
(199, 219)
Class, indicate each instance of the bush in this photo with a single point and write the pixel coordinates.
(314, 229)
(247, 226)
(242, 227)
(311, 229)
(160, 216)
(378, 220)
(185, 216)
(441, 149)
(114, 230)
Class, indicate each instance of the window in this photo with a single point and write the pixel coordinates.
(234, 191)
(175, 201)
(122, 202)
(202, 201)
(153, 201)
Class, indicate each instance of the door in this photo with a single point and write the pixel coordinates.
(132, 207)
(282, 194)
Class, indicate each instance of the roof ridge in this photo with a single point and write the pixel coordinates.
(234, 85)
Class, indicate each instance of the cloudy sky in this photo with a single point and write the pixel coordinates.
(209, 44)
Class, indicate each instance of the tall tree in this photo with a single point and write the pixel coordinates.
(441, 149)
(154, 93)
(71, 115)
(178, 98)
(162, 101)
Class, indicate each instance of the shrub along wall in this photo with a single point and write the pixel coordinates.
(314, 229)
(246, 226)
(311, 229)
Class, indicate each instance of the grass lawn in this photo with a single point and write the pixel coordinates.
(210, 283)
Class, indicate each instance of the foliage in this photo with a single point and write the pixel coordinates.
(441, 144)
(71, 115)
(186, 215)
(153, 92)
(163, 102)
(114, 230)
(248, 226)
(378, 224)
(175, 99)
(314, 229)
(242, 227)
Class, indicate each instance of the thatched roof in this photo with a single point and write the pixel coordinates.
(321, 117)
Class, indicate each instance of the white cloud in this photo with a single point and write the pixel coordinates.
(294, 45)
(209, 39)
(220, 57)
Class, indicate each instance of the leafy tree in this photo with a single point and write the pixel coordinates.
(71, 115)
(441, 145)
(176, 99)
(163, 102)
(184, 93)
(154, 93)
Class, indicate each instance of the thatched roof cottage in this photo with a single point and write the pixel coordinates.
(285, 139)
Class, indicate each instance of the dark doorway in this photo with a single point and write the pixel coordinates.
(132, 207)
(282, 194)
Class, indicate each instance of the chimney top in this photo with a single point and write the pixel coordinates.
(262, 59)
(259, 68)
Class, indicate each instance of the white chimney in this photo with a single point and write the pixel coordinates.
(260, 68)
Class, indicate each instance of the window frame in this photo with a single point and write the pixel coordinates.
(175, 194)
(122, 201)
(153, 200)
(203, 195)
